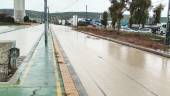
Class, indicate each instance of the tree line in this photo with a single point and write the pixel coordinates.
(138, 9)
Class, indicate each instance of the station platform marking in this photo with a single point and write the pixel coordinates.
(69, 86)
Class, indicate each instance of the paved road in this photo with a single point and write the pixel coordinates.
(40, 74)
(2, 28)
(25, 38)
(6, 29)
(110, 69)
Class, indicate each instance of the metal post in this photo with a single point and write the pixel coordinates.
(167, 41)
(86, 12)
(49, 18)
(45, 21)
(77, 21)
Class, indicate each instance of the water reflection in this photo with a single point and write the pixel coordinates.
(25, 38)
(116, 69)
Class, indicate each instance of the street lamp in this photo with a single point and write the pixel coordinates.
(46, 22)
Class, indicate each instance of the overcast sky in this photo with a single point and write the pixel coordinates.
(72, 5)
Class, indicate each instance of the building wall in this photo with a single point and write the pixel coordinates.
(75, 20)
(19, 10)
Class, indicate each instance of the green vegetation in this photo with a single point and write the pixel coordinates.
(36, 15)
(139, 11)
(148, 40)
(116, 11)
(68, 15)
(33, 15)
(26, 19)
(157, 13)
(104, 19)
(82, 24)
(4, 18)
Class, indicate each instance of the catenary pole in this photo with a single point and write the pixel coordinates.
(45, 22)
(167, 41)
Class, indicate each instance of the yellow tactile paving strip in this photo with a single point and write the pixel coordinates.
(69, 86)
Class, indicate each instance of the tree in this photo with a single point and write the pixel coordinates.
(157, 13)
(9, 19)
(119, 13)
(113, 16)
(139, 11)
(26, 19)
(3, 15)
(104, 19)
(131, 9)
(116, 10)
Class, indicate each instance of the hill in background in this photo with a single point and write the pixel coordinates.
(64, 15)
(36, 15)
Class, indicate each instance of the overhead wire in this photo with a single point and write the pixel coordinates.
(70, 5)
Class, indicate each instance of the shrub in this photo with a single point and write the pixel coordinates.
(9, 19)
(26, 19)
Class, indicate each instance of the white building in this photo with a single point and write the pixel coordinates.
(63, 22)
(19, 10)
(75, 20)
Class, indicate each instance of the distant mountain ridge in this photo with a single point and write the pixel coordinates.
(37, 15)
(67, 15)
(61, 15)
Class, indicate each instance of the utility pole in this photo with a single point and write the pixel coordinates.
(48, 16)
(45, 22)
(167, 41)
(86, 12)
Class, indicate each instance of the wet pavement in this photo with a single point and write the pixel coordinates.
(40, 76)
(6, 29)
(25, 38)
(109, 69)
(3, 28)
